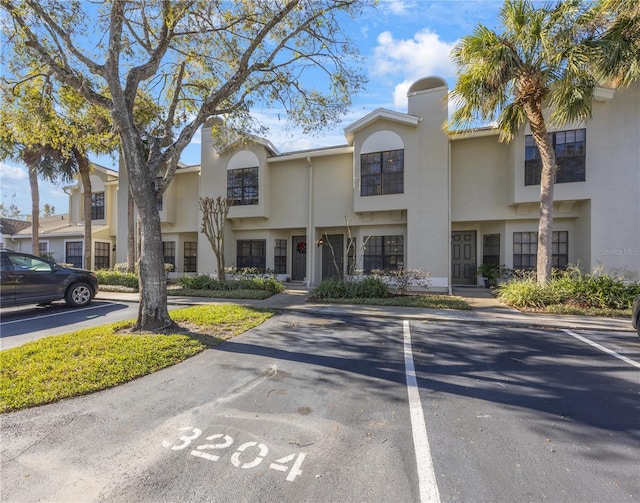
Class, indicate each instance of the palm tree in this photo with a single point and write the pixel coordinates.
(541, 58)
(619, 46)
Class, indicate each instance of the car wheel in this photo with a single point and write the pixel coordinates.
(78, 295)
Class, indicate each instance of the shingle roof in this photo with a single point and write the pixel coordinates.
(11, 225)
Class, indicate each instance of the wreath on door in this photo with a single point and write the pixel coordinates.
(301, 247)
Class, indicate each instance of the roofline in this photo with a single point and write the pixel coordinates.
(481, 132)
(304, 154)
(379, 113)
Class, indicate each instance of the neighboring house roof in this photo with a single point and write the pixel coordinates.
(55, 226)
(11, 226)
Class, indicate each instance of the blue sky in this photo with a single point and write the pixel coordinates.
(401, 41)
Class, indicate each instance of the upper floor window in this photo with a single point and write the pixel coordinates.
(382, 173)
(242, 185)
(570, 149)
(97, 206)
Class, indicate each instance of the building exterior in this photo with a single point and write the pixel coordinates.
(403, 193)
(62, 236)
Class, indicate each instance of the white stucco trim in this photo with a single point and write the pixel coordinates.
(380, 113)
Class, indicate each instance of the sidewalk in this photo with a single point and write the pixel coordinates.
(485, 309)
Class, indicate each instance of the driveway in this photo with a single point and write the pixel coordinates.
(317, 408)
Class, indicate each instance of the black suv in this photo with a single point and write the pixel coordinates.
(27, 279)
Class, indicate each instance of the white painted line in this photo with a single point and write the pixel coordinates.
(426, 475)
(22, 320)
(602, 348)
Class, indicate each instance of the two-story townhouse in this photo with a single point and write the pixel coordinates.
(402, 193)
(179, 217)
(495, 193)
(405, 194)
(62, 236)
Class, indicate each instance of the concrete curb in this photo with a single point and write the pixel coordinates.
(488, 312)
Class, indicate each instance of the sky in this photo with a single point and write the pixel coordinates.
(401, 41)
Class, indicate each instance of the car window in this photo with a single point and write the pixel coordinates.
(25, 263)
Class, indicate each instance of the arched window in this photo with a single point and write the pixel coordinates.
(382, 164)
(242, 178)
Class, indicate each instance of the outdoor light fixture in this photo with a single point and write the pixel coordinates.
(320, 242)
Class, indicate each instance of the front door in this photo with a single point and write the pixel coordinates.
(463, 257)
(332, 256)
(299, 258)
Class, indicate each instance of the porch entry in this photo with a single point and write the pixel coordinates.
(333, 256)
(463, 258)
(299, 258)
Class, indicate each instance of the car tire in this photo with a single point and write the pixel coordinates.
(78, 295)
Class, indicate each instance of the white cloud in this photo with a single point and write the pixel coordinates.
(408, 60)
(395, 6)
(9, 172)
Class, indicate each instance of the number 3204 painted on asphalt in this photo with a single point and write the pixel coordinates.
(222, 441)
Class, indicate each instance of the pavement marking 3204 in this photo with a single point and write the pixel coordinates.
(221, 442)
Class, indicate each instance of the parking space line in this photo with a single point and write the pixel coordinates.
(77, 310)
(602, 348)
(426, 475)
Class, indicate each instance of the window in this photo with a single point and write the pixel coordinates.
(280, 257)
(97, 206)
(73, 253)
(169, 252)
(251, 253)
(101, 260)
(190, 256)
(570, 149)
(525, 249)
(491, 249)
(382, 173)
(43, 248)
(383, 253)
(242, 185)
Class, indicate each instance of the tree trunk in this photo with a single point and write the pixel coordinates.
(35, 209)
(131, 236)
(83, 168)
(153, 314)
(545, 226)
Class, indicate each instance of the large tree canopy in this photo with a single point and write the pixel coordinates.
(197, 59)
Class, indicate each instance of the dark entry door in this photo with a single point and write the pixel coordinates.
(463, 257)
(299, 258)
(333, 256)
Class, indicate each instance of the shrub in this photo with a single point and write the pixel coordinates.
(205, 282)
(571, 286)
(369, 287)
(116, 278)
(402, 279)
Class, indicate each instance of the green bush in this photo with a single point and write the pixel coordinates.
(106, 277)
(570, 287)
(370, 287)
(204, 282)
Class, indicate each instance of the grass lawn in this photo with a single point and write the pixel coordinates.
(63, 366)
(428, 301)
